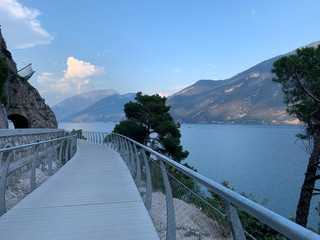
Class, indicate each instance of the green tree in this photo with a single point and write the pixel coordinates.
(150, 123)
(4, 74)
(299, 75)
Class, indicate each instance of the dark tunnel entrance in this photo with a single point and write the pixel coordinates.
(19, 121)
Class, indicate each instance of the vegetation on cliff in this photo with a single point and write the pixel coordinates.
(4, 74)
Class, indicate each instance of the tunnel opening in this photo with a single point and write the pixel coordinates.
(18, 121)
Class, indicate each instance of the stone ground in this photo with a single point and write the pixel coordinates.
(191, 223)
(21, 188)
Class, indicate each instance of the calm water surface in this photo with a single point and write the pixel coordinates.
(265, 160)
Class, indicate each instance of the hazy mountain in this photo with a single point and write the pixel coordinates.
(108, 109)
(249, 97)
(80, 102)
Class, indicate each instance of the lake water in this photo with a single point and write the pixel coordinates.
(265, 160)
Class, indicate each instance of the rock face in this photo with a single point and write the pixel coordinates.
(3, 117)
(26, 108)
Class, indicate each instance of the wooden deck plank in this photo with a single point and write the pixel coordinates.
(92, 197)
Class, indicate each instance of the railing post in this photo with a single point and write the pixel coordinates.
(138, 170)
(33, 169)
(106, 139)
(51, 160)
(122, 148)
(235, 223)
(126, 142)
(3, 182)
(131, 158)
(100, 141)
(60, 153)
(171, 219)
(112, 141)
(148, 202)
(66, 157)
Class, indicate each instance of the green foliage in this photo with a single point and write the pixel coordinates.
(4, 74)
(131, 129)
(149, 122)
(299, 76)
(252, 225)
(79, 133)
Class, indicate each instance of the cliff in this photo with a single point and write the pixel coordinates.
(25, 108)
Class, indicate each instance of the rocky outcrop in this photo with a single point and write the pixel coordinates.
(3, 117)
(26, 108)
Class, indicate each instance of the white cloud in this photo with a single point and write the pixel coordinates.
(161, 94)
(20, 26)
(81, 69)
(77, 78)
(253, 12)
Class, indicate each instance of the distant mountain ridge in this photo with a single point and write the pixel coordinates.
(80, 102)
(108, 109)
(249, 97)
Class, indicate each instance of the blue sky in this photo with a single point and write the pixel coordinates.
(148, 45)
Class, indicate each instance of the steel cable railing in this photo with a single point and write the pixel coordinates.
(26, 157)
(180, 209)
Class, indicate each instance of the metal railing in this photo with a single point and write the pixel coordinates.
(26, 156)
(158, 176)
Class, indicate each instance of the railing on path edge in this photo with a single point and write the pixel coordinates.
(142, 162)
(64, 148)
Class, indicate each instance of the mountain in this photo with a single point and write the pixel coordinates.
(249, 97)
(108, 109)
(80, 102)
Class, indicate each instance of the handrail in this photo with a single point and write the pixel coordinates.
(34, 144)
(11, 151)
(268, 217)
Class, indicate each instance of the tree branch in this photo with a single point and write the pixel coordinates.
(309, 121)
(314, 165)
(304, 88)
(315, 178)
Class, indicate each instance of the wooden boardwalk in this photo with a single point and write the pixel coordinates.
(92, 197)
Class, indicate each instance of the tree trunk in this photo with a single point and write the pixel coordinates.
(308, 184)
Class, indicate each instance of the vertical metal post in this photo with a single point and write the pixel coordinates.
(106, 139)
(71, 148)
(131, 158)
(126, 142)
(3, 182)
(51, 160)
(235, 223)
(66, 157)
(60, 152)
(33, 169)
(100, 138)
(90, 136)
(112, 141)
(138, 177)
(171, 220)
(122, 148)
(148, 202)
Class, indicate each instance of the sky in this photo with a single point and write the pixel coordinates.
(151, 46)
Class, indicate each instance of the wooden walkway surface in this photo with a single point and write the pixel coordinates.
(92, 197)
